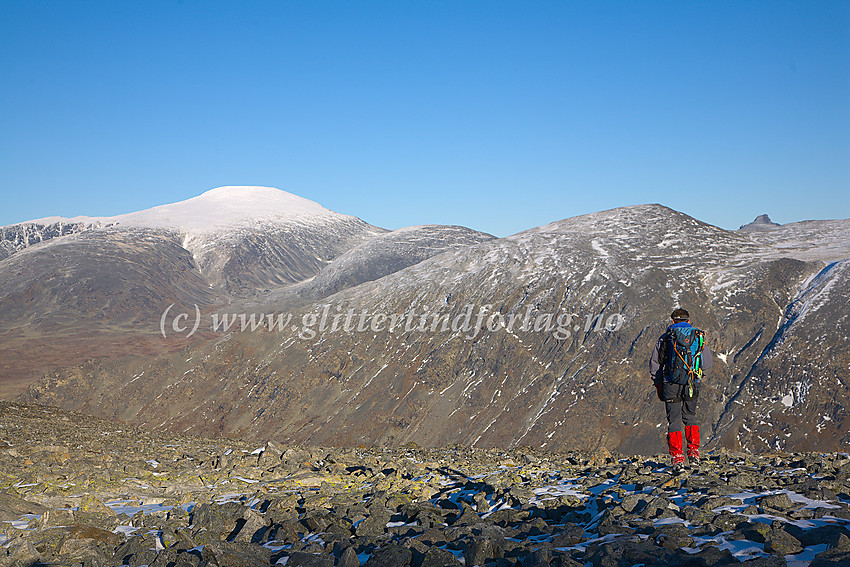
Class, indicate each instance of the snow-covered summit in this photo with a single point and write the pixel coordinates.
(240, 238)
(228, 206)
(219, 208)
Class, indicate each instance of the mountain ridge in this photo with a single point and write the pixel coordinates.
(505, 386)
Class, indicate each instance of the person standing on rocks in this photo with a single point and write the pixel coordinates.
(677, 363)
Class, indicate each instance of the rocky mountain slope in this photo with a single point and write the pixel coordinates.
(75, 490)
(375, 258)
(539, 339)
(73, 289)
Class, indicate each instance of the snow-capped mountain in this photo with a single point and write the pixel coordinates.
(773, 302)
(110, 276)
(218, 209)
(240, 238)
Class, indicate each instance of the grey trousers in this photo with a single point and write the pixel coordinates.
(679, 411)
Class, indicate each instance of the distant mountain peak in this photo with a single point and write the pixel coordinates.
(229, 205)
(647, 219)
(760, 222)
(217, 209)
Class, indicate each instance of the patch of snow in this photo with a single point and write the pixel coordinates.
(598, 247)
(742, 549)
(126, 530)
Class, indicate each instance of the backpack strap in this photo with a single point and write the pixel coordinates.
(666, 353)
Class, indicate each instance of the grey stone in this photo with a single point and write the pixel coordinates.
(831, 558)
(374, 525)
(253, 528)
(91, 505)
(714, 557)
(540, 557)
(137, 550)
(481, 504)
(388, 483)
(280, 510)
(710, 503)
(782, 543)
(779, 501)
(187, 559)
(726, 521)
(20, 552)
(832, 535)
(480, 550)
(696, 516)
(568, 535)
(629, 553)
(220, 521)
(317, 520)
(56, 517)
(436, 557)
(507, 516)
(302, 559)
(674, 541)
(237, 554)
(13, 507)
(434, 536)
(635, 503)
(467, 517)
(766, 562)
(655, 507)
(758, 532)
(339, 530)
(609, 523)
(166, 558)
(392, 555)
(348, 558)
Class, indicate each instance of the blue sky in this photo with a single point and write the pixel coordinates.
(495, 115)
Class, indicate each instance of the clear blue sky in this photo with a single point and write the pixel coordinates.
(495, 115)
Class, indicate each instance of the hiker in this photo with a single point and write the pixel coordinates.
(676, 365)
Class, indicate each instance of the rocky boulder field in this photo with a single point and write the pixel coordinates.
(82, 491)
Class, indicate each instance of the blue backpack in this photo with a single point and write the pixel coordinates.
(685, 352)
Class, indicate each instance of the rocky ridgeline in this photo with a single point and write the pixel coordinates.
(82, 491)
(16, 237)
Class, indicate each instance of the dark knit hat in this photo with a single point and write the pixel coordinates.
(680, 315)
